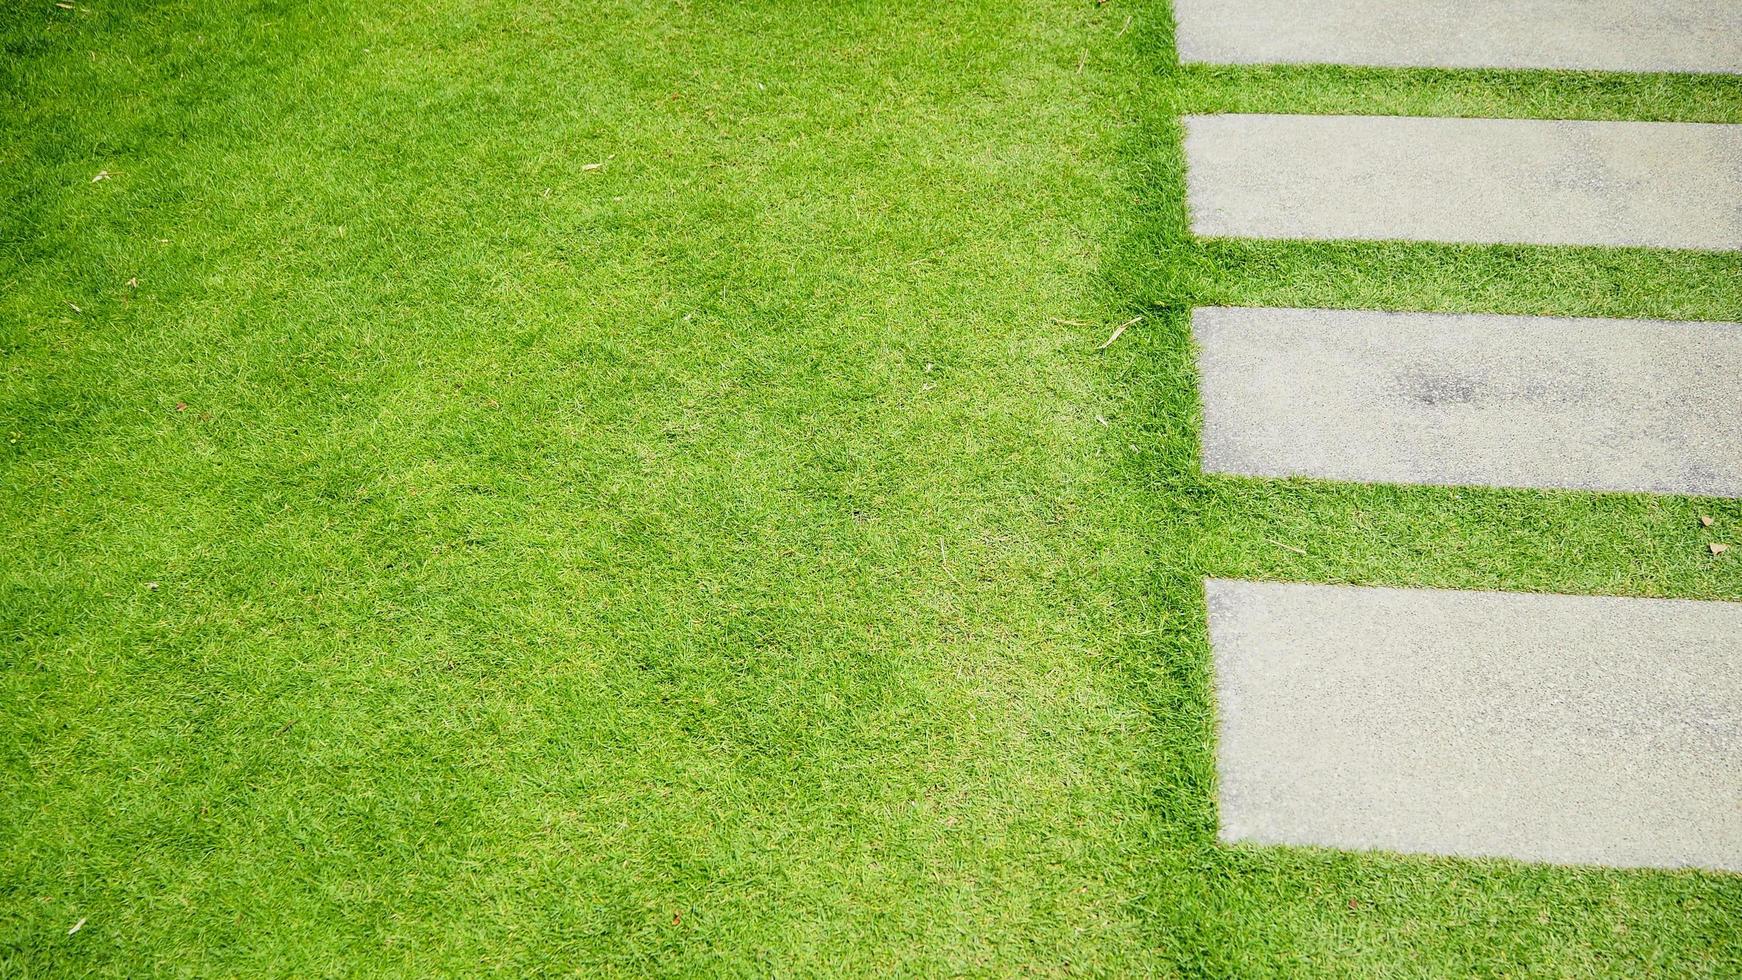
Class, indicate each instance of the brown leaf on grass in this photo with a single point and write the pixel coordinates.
(181, 406)
(1718, 549)
(1705, 521)
(1117, 331)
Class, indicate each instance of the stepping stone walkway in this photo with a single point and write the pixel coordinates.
(1642, 405)
(1596, 35)
(1574, 729)
(1547, 182)
(1577, 729)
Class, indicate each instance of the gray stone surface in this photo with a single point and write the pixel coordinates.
(1569, 729)
(1629, 405)
(1600, 35)
(1666, 185)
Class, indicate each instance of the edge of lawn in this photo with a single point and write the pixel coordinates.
(1246, 909)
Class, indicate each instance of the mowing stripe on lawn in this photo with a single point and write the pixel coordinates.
(1666, 185)
(1506, 401)
(1568, 729)
(1599, 35)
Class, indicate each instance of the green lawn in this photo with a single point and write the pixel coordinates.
(622, 488)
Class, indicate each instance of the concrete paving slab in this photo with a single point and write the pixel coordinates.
(1624, 405)
(1592, 35)
(1567, 729)
(1531, 181)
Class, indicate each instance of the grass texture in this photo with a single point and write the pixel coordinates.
(612, 489)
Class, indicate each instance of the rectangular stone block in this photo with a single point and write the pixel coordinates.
(1546, 182)
(1567, 729)
(1595, 35)
(1510, 401)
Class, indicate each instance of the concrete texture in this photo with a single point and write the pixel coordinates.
(1632, 405)
(1569, 729)
(1665, 185)
(1597, 35)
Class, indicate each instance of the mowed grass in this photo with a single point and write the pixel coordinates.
(607, 488)
(577, 487)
